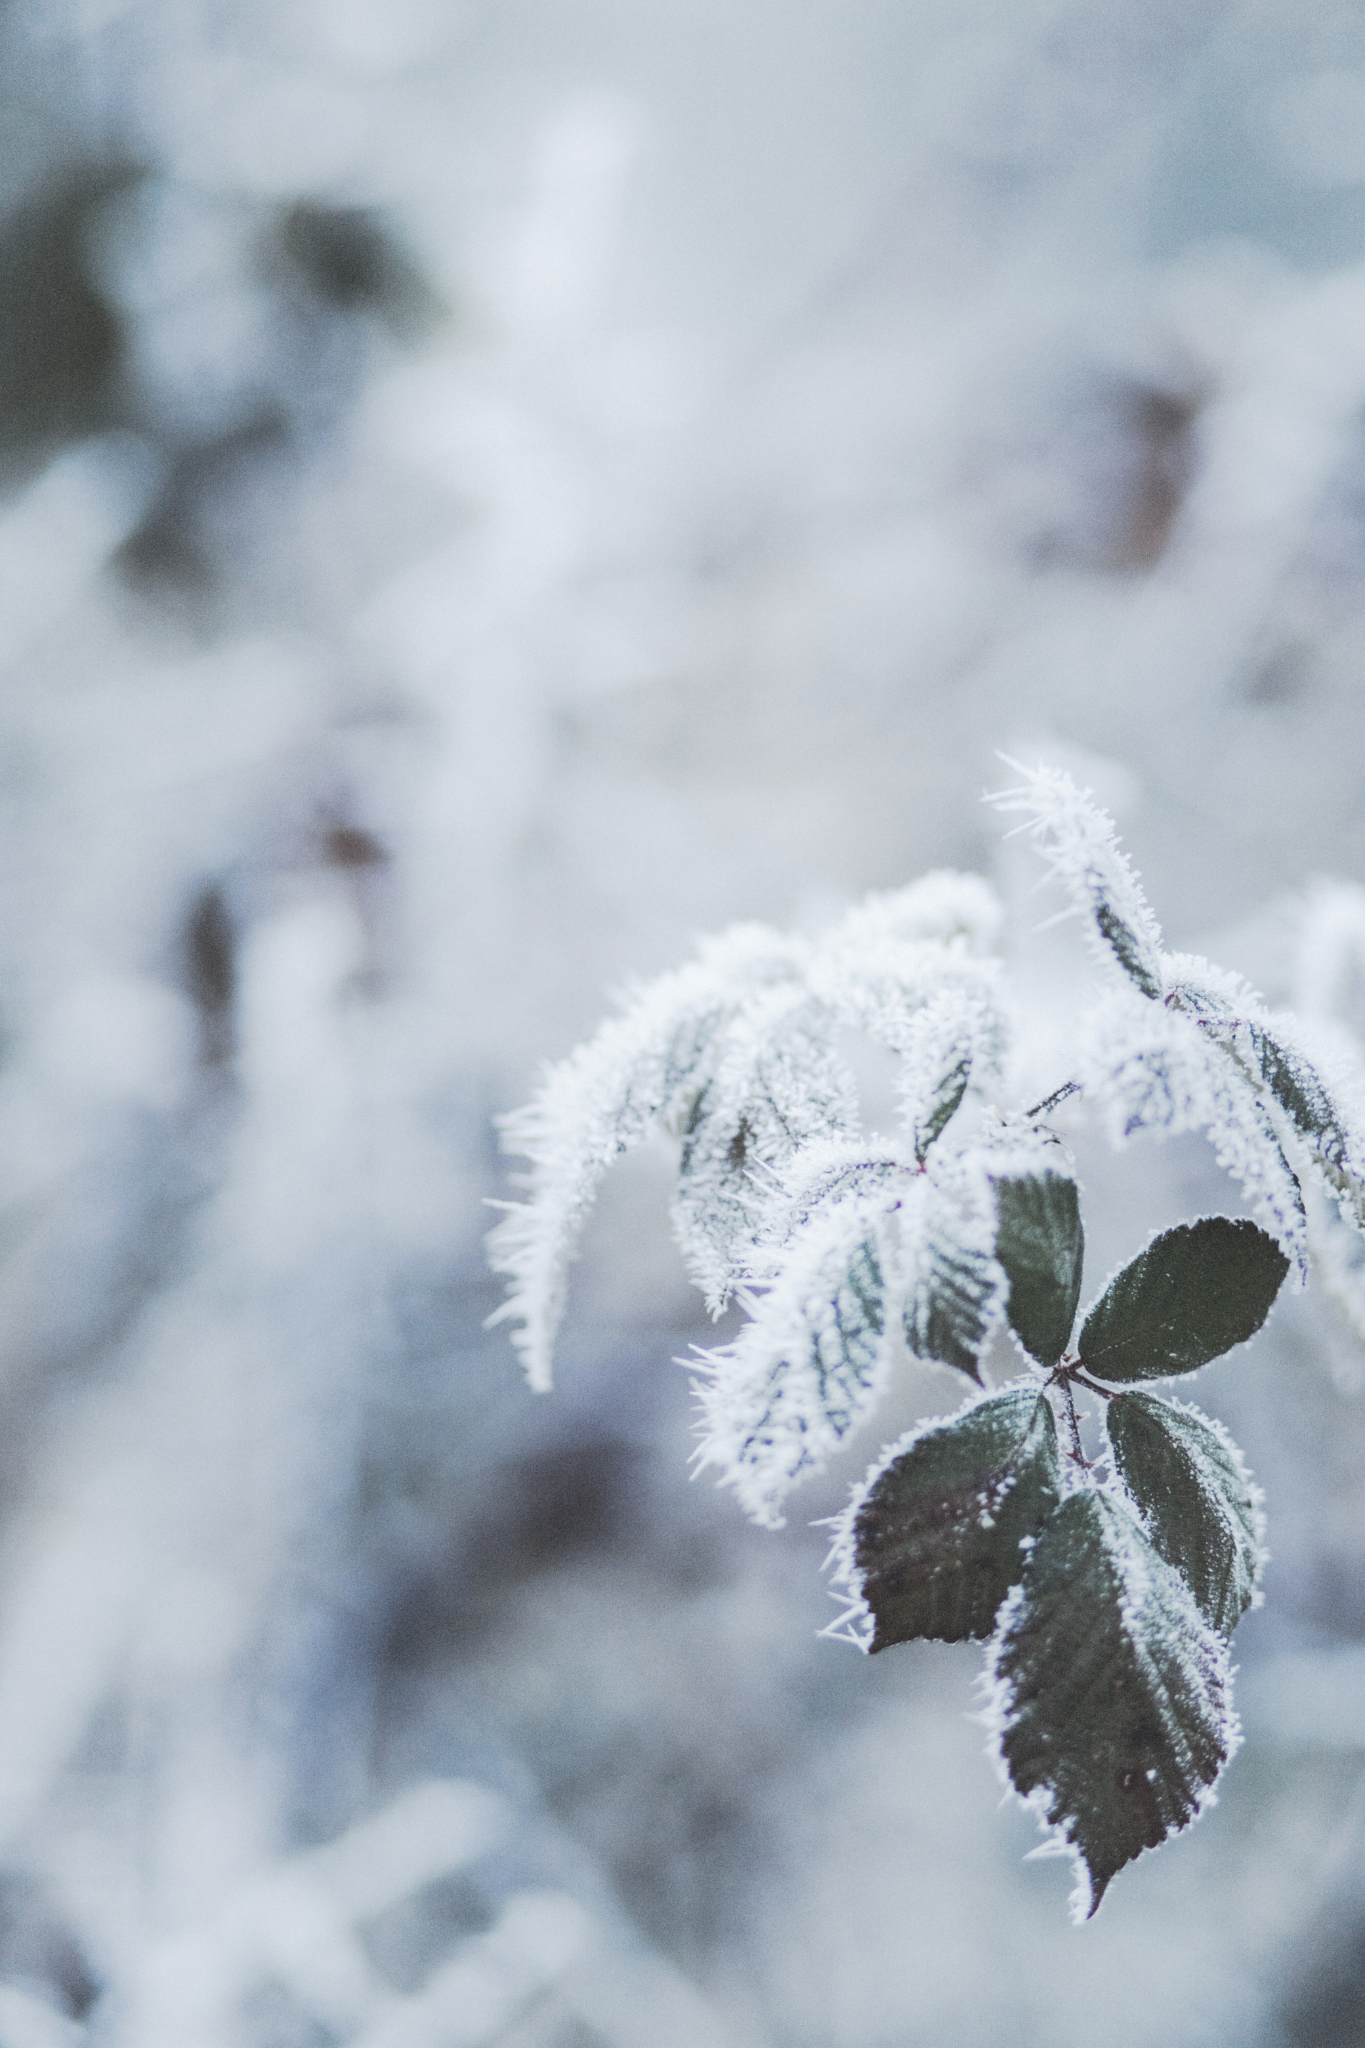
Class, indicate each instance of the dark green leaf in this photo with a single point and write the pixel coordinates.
(1040, 1244)
(1126, 946)
(945, 1099)
(1197, 1500)
(936, 1539)
(1195, 1292)
(1113, 1692)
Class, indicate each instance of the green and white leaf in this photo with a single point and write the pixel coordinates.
(642, 1072)
(1153, 1068)
(934, 1539)
(955, 1043)
(1041, 1245)
(1312, 1094)
(1079, 844)
(811, 1362)
(1197, 1499)
(952, 1285)
(1192, 1294)
(777, 1086)
(1109, 1695)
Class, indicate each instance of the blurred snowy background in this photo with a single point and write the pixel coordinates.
(490, 490)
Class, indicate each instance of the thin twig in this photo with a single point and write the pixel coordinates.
(1051, 1101)
(1076, 1454)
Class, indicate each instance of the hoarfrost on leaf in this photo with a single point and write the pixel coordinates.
(809, 1364)
(953, 1287)
(1080, 845)
(642, 1072)
(778, 1086)
(1150, 1068)
(1110, 1697)
(1197, 1500)
(931, 1543)
(1190, 1296)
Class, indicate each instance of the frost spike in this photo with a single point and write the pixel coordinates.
(1110, 1694)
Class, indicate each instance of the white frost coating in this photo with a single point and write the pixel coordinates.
(641, 1071)
(951, 908)
(1151, 1068)
(855, 1623)
(1162, 1623)
(946, 1231)
(1079, 844)
(877, 982)
(1214, 1484)
(959, 1033)
(778, 1087)
(826, 1171)
(809, 1365)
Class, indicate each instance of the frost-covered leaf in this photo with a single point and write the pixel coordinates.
(956, 1040)
(1110, 1694)
(1040, 1244)
(810, 1363)
(934, 1540)
(904, 948)
(944, 1098)
(1191, 1295)
(778, 1085)
(1151, 1068)
(1326, 1115)
(821, 1174)
(953, 1284)
(642, 1072)
(1198, 1503)
(1316, 1115)
(1078, 842)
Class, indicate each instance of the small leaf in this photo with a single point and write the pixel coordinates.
(807, 1367)
(1040, 1245)
(1298, 1088)
(952, 1278)
(777, 1085)
(1126, 946)
(935, 1538)
(942, 1103)
(1078, 842)
(1153, 1068)
(1196, 1497)
(1112, 1695)
(1195, 1292)
(642, 1071)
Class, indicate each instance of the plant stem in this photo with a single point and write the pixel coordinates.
(1051, 1101)
(1074, 1425)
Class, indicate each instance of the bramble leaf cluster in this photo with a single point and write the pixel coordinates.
(1105, 1589)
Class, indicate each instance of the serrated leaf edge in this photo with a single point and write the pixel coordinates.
(993, 1713)
(855, 1624)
